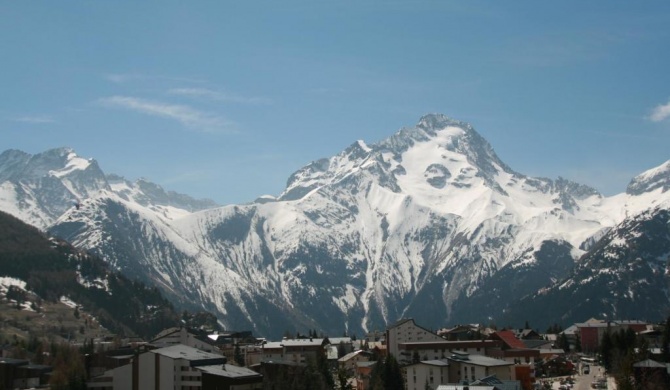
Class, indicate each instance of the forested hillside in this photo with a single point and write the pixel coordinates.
(53, 269)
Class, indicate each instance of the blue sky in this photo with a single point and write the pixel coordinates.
(225, 99)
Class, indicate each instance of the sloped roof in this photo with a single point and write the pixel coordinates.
(303, 342)
(536, 344)
(478, 360)
(273, 345)
(180, 351)
(337, 340)
(438, 362)
(229, 371)
(508, 337)
(352, 354)
(649, 364)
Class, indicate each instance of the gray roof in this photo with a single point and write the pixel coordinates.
(229, 371)
(352, 354)
(479, 360)
(366, 364)
(180, 351)
(273, 345)
(536, 344)
(438, 362)
(302, 342)
(649, 364)
(336, 340)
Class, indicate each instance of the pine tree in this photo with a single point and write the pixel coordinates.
(665, 342)
(563, 342)
(606, 350)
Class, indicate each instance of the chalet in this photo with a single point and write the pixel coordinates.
(527, 334)
(509, 339)
(513, 349)
(349, 361)
(184, 336)
(300, 350)
(460, 332)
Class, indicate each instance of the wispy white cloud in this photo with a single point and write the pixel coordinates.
(660, 112)
(216, 95)
(186, 115)
(37, 120)
(120, 78)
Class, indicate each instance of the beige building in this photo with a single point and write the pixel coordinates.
(406, 331)
(426, 374)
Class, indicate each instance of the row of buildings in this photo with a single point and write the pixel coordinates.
(508, 359)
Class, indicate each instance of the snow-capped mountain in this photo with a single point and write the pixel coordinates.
(626, 275)
(428, 223)
(40, 188)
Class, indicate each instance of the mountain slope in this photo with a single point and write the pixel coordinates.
(625, 275)
(53, 269)
(425, 223)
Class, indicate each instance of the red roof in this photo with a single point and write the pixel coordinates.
(508, 337)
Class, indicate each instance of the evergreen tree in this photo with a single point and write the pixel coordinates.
(391, 374)
(606, 350)
(341, 349)
(665, 342)
(324, 370)
(343, 379)
(563, 342)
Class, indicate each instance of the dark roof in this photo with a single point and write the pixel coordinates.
(15, 362)
(280, 362)
(649, 364)
(535, 344)
(450, 344)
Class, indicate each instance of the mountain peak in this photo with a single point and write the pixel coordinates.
(440, 121)
(650, 180)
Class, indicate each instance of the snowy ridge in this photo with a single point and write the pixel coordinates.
(415, 225)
